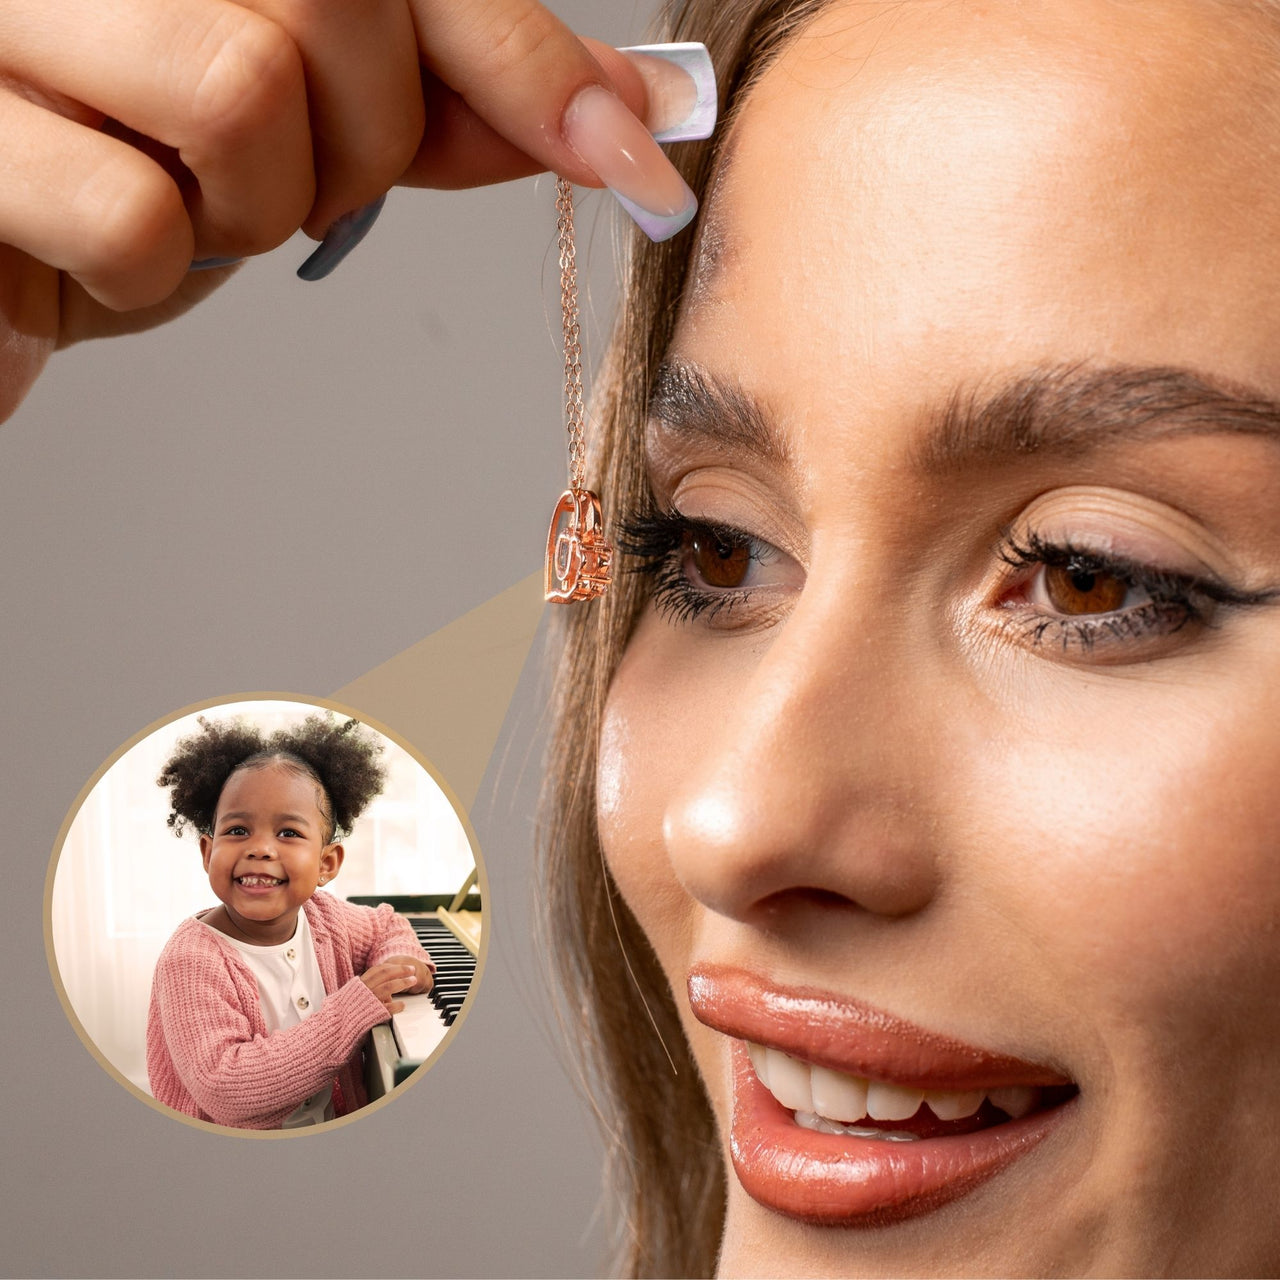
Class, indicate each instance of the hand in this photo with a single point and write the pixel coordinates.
(424, 969)
(388, 979)
(139, 135)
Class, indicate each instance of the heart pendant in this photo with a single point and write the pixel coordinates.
(579, 559)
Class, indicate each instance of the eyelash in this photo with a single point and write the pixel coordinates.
(658, 539)
(1175, 599)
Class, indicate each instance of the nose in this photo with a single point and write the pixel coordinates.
(820, 784)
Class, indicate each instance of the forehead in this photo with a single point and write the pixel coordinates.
(269, 787)
(918, 188)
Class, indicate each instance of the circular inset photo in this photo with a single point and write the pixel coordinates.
(264, 915)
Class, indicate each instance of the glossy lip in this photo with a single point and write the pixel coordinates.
(850, 1036)
(837, 1179)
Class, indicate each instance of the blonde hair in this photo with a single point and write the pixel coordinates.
(665, 1161)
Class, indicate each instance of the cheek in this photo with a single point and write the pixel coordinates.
(1150, 860)
(650, 732)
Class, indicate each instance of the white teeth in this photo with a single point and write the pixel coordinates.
(953, 1106)
(789, 1081)
(892, 1101)
(820, 1124)
(1015, 1099)
(838, 1096)
(835, 1100)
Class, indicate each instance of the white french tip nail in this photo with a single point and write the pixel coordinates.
(625, 157)
(681, 83)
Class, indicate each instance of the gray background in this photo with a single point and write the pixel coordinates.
(278, 492)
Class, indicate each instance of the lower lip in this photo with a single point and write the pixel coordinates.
(834, 1180)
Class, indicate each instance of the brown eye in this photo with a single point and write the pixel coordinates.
(717, 562)
(1076, 589)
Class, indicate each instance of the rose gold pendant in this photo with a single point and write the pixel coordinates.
(579, 560)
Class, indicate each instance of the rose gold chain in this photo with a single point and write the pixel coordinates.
(572, 335)
(579, 562)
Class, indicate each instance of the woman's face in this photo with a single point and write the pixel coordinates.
(948, 757)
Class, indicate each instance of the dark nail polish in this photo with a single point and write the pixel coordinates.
(340, 239)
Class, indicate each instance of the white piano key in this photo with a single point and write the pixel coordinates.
(418, 1027)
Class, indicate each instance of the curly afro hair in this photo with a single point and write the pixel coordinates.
(341, 758)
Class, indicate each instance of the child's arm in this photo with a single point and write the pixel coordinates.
(241, 1079)
(391, 938)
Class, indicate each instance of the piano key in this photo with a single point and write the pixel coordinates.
(397, 1049)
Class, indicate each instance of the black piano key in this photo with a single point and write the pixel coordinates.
(455, 966)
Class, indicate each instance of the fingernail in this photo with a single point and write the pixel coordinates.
(598, 126)
(681, 83)
(340, 239)
(210, 264)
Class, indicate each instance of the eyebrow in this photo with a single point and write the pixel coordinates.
(1061, 411)
(1069, 410)
(691, 404)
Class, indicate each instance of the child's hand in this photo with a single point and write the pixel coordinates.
(138, 136)
(424, 969)
(388, 979)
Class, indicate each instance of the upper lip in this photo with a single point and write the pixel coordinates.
(849, 1036)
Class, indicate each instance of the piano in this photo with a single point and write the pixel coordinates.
(451, 936)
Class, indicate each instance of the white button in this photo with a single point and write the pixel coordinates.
(291, 954)
(303, 1002)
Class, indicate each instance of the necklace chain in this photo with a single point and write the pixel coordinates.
(579, 558)
(572, 335)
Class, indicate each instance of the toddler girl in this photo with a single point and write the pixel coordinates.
(259, 1005)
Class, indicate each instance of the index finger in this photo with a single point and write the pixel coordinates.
(529, 78)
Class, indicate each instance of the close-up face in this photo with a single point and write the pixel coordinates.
(941, 769)
(268, 850)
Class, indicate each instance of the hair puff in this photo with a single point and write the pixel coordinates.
(341, 757)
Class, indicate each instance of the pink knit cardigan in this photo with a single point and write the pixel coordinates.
(208, 1051)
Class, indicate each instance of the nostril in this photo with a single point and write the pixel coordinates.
(806, 896)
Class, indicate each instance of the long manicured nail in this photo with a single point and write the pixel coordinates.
(681, 83)
(340, 239)
(598, 126)
(211, 264)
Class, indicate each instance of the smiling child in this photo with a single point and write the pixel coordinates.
(260, 1004)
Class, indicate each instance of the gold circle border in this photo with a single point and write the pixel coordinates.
(325, 704)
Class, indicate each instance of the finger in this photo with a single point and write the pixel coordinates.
(83, 316)
(28, 324)
(396, 978)
(90, 205)
(460, 149)
(217, 82)
(530, 79)
(364, 95)
(395, 1006)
